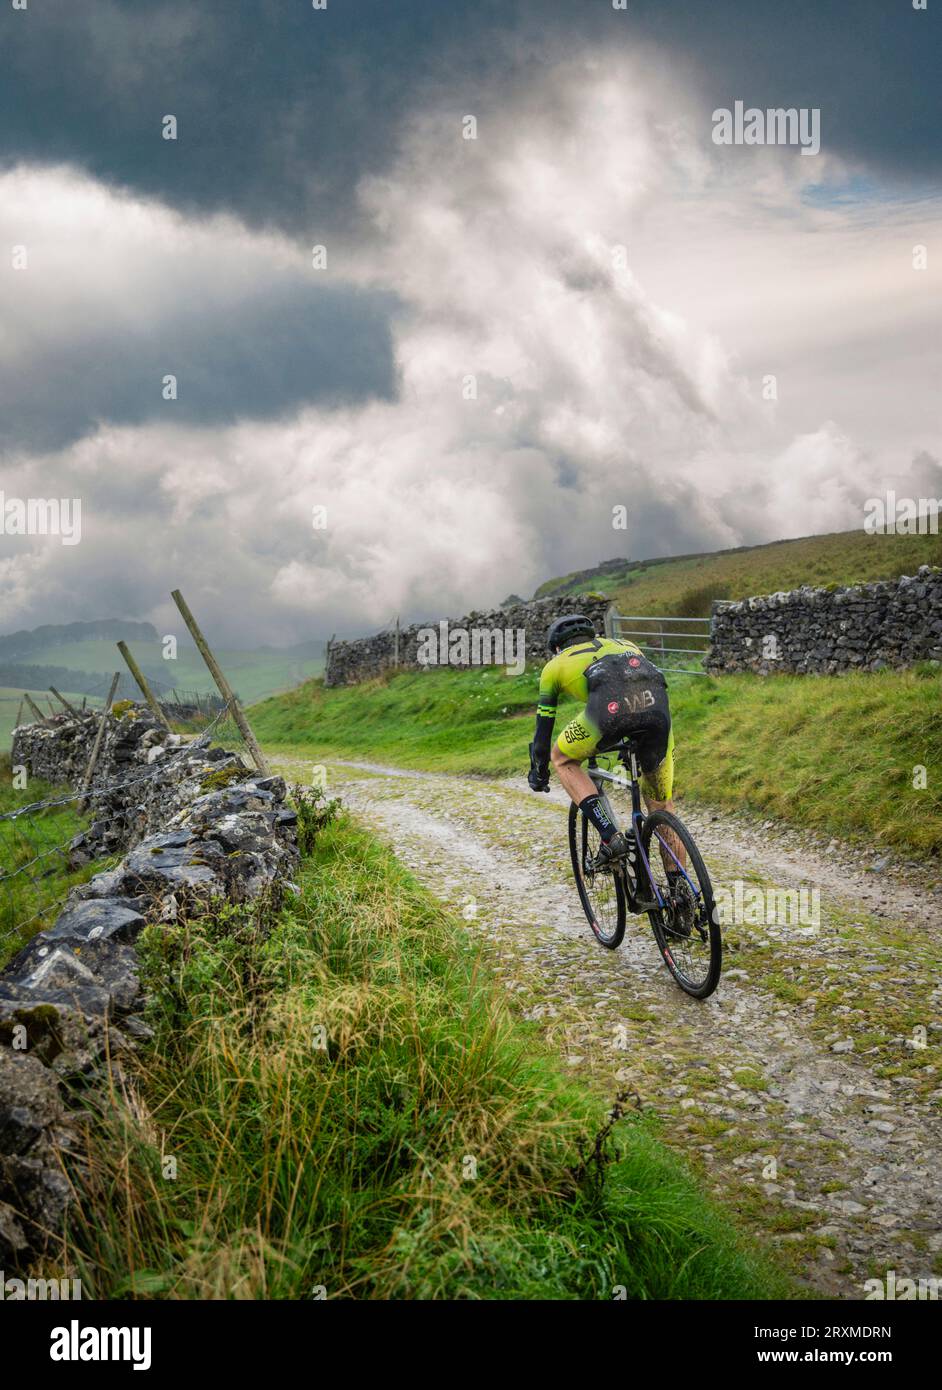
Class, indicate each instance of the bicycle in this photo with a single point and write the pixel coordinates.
(684, 918)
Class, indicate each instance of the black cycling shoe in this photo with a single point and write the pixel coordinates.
(616, 848)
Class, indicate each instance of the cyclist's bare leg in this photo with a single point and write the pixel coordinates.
(668, 835)
(573, 776)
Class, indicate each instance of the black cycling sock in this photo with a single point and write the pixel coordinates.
(594, 811)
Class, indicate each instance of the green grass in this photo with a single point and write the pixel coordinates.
(32, 899)
(836, 753)
(844, 557)
(352, 1108)
(474, 721)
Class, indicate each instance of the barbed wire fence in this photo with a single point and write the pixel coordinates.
(179, 704)
(39, 863)
(41, 851)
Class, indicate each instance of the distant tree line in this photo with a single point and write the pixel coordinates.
(17, 644)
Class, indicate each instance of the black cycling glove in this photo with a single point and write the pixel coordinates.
(538, 776)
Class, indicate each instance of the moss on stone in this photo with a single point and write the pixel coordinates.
(225, 776)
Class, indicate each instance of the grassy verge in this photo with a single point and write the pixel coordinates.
(841, 754)
(338, 1103)
(457, 721)
(838, 753)
(35, 845)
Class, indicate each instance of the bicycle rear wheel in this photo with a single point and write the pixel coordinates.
(686, 928)
(600, 892)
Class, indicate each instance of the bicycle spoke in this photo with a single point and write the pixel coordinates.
(602, 896)
(688, 939)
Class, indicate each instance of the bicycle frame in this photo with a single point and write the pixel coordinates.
(680, 925)
(629, 760)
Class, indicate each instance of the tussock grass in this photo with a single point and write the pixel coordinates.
(351, 1108)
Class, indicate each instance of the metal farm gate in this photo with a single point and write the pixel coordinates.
(665, 640)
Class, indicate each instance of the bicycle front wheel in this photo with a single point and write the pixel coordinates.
(600, 891)
(686, 928)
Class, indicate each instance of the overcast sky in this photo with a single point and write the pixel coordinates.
(618, 287)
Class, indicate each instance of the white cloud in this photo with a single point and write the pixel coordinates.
(597, 384)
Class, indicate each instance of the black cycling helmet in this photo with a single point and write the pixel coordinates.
(568, 629)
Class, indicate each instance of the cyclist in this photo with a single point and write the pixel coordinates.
(621, 691)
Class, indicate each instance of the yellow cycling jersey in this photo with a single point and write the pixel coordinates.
(566, 671)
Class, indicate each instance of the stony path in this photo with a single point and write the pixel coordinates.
(806, 1092)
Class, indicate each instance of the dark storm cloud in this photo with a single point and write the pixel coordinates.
(254, 355)
(282, 108)
(594, 389)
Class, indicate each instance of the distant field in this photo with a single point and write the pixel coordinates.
(253, 674)
(844, 557)
(10, 703)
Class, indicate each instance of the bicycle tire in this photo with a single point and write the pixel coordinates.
(702, 989)
(578, 844)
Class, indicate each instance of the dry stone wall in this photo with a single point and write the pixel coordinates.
(865, 627)
(365, 657)
(196, 827)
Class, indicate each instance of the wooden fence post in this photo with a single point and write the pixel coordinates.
(87, 781)
(34, 707)
(225, 689)
(148, 694)
(63, 701)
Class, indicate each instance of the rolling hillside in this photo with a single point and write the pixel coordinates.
(685, 585)
(82, 657)
(253, 674)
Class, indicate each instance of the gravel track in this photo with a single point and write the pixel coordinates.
(805, 1092)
